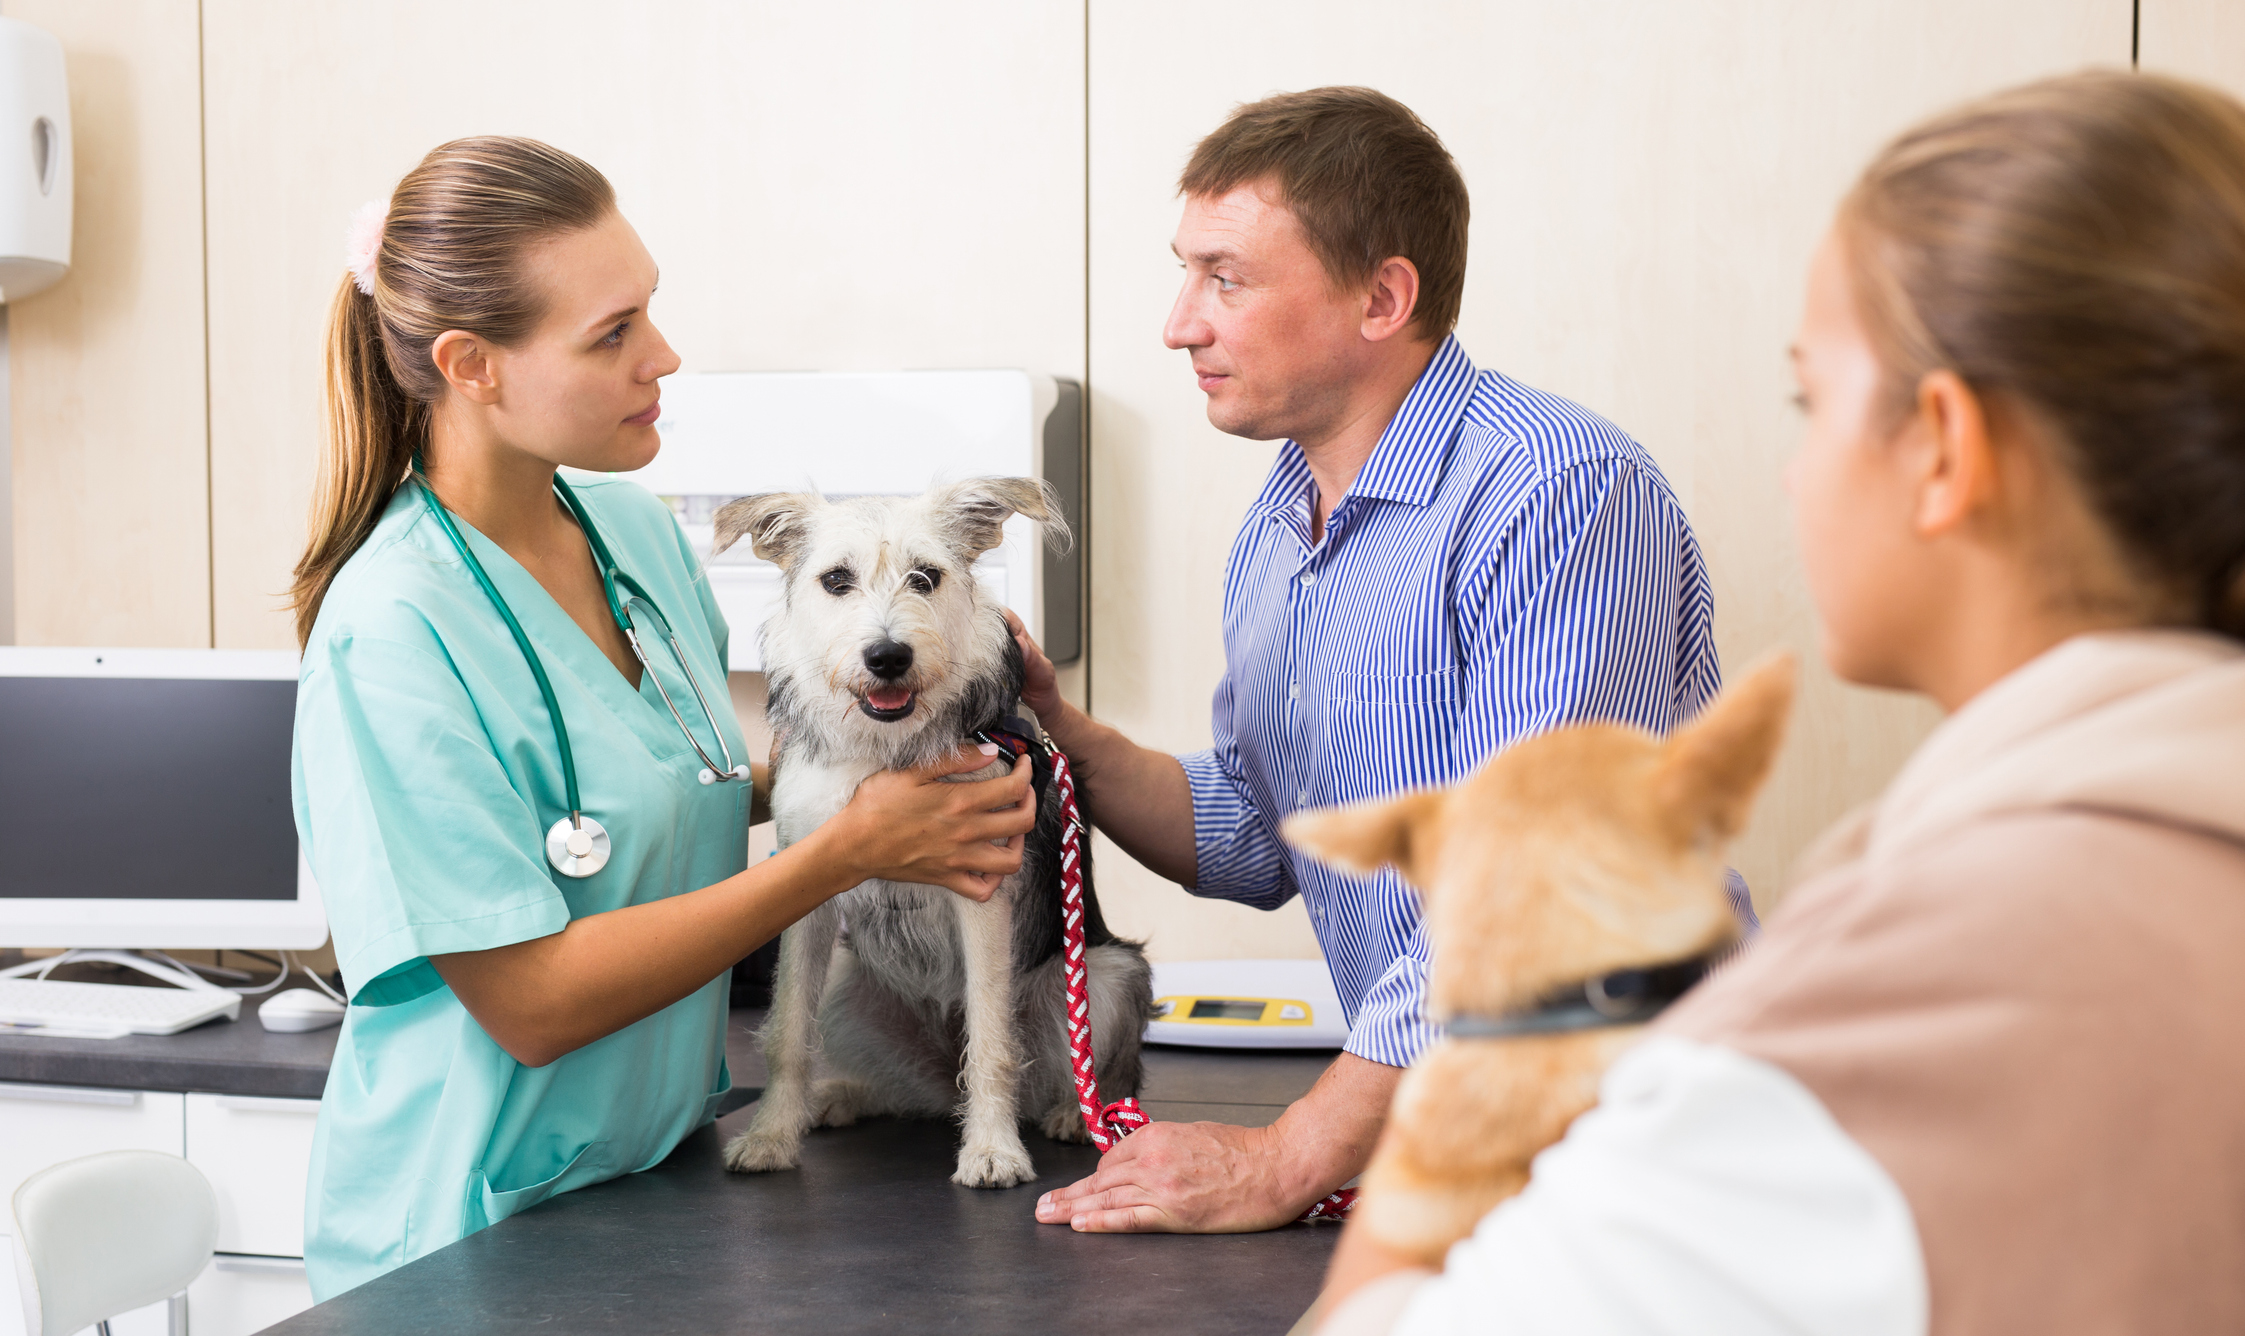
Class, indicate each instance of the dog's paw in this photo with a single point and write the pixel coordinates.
(993, 1167)
(1065, 1123)
(839, 1101)
(761, 1150)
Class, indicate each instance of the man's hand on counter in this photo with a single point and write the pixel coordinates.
(1212, 1178)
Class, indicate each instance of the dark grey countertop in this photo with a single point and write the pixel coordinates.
(868, 1235)
(220, 1057)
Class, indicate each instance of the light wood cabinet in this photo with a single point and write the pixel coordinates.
(989, 183)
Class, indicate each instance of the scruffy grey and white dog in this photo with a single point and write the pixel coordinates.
(888, 654)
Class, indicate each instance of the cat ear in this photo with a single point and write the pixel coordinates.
(774, 523)
(1711, 768)
(1365, 837)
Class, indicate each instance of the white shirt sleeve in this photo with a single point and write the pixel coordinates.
(1708, 1192)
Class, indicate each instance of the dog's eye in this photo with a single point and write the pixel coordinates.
(838, 581)
(924, 579)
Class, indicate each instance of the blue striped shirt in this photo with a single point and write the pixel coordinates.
(1506, 562)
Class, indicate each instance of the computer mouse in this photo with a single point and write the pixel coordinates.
(298, 1010)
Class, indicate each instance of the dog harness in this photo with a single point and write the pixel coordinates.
(1107, 1123)
(1623, 997)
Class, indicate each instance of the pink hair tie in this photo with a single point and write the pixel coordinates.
(363, 242)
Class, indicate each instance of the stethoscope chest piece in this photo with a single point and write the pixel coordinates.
(577, 847)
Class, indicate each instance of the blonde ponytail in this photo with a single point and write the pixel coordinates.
(372, 431)
(449, 258)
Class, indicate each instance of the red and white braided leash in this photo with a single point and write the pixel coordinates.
(1108, 1123)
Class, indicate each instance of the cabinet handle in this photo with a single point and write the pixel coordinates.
(267, 1104)
(287, 1266)
(123, 1099)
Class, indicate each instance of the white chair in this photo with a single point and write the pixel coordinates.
(109, 1233)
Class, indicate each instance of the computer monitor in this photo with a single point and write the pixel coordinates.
(145, 801)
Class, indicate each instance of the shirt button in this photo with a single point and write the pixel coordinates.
(1309, 578)
(1294, 692)
(1302, 799)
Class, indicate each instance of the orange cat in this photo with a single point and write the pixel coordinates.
(1558, 879)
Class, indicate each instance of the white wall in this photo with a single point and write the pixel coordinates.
(2197, 39)
(1647, 181)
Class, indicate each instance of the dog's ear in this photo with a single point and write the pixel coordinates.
(772, 522)
(1365, 837)
(1711, 768)
(975, 512)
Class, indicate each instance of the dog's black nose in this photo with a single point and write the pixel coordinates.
(889, 660)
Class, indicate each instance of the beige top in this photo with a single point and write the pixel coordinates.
(2020, 986)
(1983, 1073)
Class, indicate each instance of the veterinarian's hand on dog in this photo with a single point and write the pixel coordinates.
(910, 825)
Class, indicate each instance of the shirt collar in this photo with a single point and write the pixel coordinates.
(1407, 463)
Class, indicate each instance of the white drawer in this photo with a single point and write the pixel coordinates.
(153, 1320)
(256, 1153)
(43, 1125)
(239, 1295)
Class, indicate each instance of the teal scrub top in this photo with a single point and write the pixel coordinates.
(425, 778)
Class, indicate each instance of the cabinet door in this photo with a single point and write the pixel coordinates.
(255, 1152)
(44, 1125)
(240, 1295)
(153, 1320)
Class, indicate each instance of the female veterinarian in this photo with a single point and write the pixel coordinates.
(530, 830)
(1982, 1072)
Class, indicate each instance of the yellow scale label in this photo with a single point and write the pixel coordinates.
(1232, 1010)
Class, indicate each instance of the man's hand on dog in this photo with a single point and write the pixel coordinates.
(910, 825)
(1040, 687)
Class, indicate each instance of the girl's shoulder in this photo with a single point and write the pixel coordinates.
(385, 590)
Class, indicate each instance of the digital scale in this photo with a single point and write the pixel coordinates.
(1246, 1004)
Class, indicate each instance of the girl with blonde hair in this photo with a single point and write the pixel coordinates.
(529, 829)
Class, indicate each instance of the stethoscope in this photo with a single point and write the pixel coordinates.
(577, 846)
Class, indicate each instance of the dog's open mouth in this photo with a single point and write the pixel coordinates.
(888, 704)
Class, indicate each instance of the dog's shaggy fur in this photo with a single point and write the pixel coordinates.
(1583, 851)
(887, 655)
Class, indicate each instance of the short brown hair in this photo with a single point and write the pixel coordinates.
(1363, 175)
(2078, 245)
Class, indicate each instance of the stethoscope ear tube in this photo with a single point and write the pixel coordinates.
(537, 671)
(713, 771)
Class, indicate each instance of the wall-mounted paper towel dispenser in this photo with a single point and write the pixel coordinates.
(728, 434)
(35, 176)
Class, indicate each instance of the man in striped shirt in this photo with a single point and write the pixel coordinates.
(1442, 563)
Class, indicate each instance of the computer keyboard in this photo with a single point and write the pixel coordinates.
(107, 1010)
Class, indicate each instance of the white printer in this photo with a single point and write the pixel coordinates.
(730, 434)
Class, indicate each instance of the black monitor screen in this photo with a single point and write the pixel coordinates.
(147, 788)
